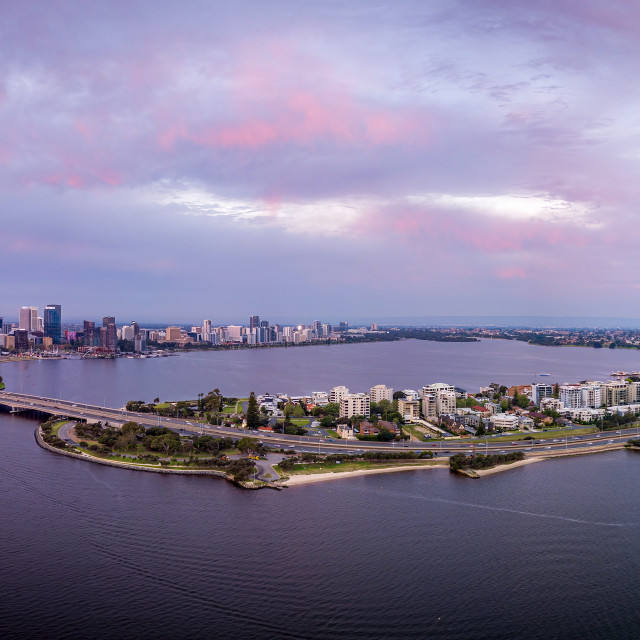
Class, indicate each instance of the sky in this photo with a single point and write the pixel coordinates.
(322, 159)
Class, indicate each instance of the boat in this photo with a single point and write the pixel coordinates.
(544, 374)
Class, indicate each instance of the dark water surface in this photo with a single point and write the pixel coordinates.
(550, 550)
(544, 551)
(401, 365)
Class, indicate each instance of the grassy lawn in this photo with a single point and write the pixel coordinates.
(357, 465)
(545, 435)
(229, 452)
(229, 409)
(239, 404)
(300, 422)
(408, 428)
(164, 405)
(333, 433)
(56, 426)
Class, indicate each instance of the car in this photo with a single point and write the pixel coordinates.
(547, 447)
(528, 449)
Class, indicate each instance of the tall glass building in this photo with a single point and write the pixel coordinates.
(53, 322)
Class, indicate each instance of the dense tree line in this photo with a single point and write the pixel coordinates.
(479, 461)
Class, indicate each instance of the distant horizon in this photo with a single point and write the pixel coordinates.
(515, 321)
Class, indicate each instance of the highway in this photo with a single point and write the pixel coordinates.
(315, 444)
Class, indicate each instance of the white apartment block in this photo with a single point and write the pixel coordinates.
(633, 392)
(614, 393)
(571, 396)
(550, 403)
(504, 421)
(355, 404)
(337, 393)
(321, 398)
(445, 395)
(539, 391)
(591, 395)
(410, 394)
(381, 392)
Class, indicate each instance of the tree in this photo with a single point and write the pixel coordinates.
(253, 414)
(480, 431)
(248, 445)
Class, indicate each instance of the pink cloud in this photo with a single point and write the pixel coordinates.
(511, 273)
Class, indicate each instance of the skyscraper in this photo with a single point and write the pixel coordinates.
(53, 322)
(28, 318)
(107, 320)
(21, 339)
(254, 322)
(90, 335)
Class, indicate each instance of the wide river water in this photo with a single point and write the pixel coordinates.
(550, 550)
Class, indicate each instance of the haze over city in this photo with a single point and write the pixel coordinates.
(174, 161)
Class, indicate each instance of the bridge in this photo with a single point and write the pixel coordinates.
(39, 405)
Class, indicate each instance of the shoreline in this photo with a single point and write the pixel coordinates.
(308, 478)
(506, 467)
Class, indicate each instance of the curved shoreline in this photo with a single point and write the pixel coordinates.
(302, 479)
(133, 467)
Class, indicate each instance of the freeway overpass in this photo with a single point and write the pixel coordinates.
(20, 402)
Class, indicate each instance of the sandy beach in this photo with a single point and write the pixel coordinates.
(321, 477)
(506, 467)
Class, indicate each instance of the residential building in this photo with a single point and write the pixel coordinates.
(320, 398)
(614, 393)
(381, 392)
(429, 406)
(409, 409)
(504, 421)
(355, 404)
(571, 396)
(592, 395)
(445, 396)
(346, 431)
(539, 391)
(337, 393)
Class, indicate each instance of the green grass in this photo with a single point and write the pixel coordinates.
(229, 409)
(408, 428)
(300, 422)
(332, 433)
(56, 426)
(163, 405)
(545, 435)
(2, 385)
(357, 465)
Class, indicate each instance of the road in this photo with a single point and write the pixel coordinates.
(314, 444)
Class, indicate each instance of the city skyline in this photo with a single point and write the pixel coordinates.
(406, 159)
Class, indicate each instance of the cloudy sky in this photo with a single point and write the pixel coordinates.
(329, 159)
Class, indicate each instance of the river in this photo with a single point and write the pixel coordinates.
(299, 370)
(548, 550)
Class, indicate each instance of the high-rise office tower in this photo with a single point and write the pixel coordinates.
(53, 322)
(136, 328)
(90, 335)
(21, 339)
(254, 322)
(28, 318)
(107, 320)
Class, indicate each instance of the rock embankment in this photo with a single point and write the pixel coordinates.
(135, 467)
